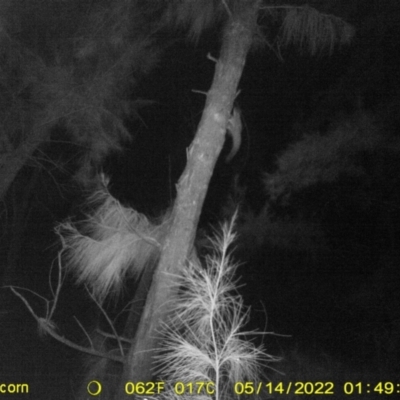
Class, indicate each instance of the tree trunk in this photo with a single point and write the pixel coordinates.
(192, 188)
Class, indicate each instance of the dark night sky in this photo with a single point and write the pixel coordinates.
(275, 94)
(276, 97)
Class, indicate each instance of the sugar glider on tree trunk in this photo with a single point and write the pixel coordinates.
(234, 130)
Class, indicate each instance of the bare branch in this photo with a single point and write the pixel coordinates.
(48, 327)
(116, 337)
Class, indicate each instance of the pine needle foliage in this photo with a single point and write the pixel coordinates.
(70, 65)
(113, 242)
(311, 31)
(322, 158)
(306, 28)
(203, 341)
(195, 17)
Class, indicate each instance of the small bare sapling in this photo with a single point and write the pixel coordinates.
(203, 340)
